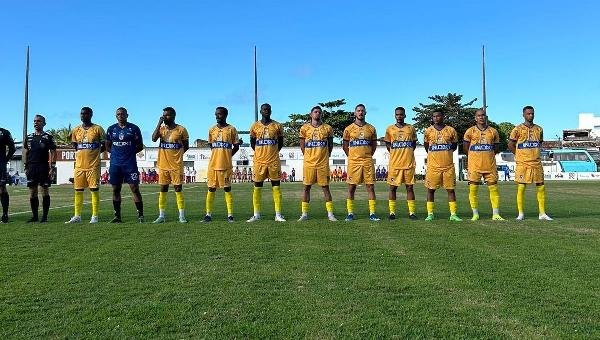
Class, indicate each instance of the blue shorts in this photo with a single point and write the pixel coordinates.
(127, 173)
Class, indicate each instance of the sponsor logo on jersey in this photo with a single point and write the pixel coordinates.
(120, 144)
(481, 147)
(440, 147)
(529, 145)
(221, 144)
(401, 144)
(266, 142)
(170, 146)
(315, 144)
(88, 146)
(360, 142)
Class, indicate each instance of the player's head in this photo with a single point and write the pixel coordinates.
(39, 122)
(360, 111)
(437, 117)
(221, 114)
(265, 110)
(481, 117)
(400, 114)
(315, 113)
(528, 113)
(169, 115)
(121, 115)
(86, 114)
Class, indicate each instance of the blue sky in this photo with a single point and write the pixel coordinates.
(196, 55)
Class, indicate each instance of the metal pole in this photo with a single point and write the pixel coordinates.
(26, 104)
(255, 87)
(483, 77)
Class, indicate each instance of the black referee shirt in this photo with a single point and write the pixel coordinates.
(38, 147)
(6, 143)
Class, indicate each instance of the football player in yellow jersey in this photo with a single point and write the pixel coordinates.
(88, 141)
(481, 144)
(224, 143)
(174, 142)
(440, 143)
(266, 139)
(525, 142)
(316, 143)
(401, 141)
(359, 142)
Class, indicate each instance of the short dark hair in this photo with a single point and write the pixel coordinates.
(359, 105)
(224, 109)
(122, 109)
(87, 109)
(267, 105)
(40, 116)
(316, 107)
(170, 110)
(438, 111)
(400, 108)
(528, 107)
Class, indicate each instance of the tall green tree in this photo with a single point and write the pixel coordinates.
(62, 136)
(504, 129)
(333, 114)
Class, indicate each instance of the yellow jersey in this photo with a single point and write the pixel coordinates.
(170, 148)
(482, 154)
(222, 140)
(359, 140)
(89, 141)
(528, 142)
(439, 155)
(266, 150)
(402, 142)
(316, 144)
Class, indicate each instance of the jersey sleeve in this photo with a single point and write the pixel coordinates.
(302, 134)
(184, 134)
(467, 136)
(329, 131)
(346, 135)
(413, 132)
(74, 135)
(236, 136)
(514, 134)
(454, 136)
(373, 133)
(253, 131)
(541, 134)
(496, 137)
(51, 142)
(210, 138)
(388, 135)
(101, 134)
(426, 136)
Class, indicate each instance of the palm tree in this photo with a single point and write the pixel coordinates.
(62, 136)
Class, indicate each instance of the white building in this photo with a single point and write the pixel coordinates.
(589, 121)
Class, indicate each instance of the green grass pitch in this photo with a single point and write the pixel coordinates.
(316, 279)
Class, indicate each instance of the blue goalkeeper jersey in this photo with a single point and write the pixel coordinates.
(124, 143)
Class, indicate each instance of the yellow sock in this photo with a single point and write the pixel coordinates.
(541, 198)
(329, 207)
(229, 202)
(473, 196)
(372, 207)
(95, 202)
(256, 199)
(162, 201)
(78, 202)
(350, 206)
(520, 198)
(277, 198)
(210, 199)
(305, 207)
(180, 201)
(392, 206)
(452, 207)
(411, 207)
(430, 206)
(494, 198)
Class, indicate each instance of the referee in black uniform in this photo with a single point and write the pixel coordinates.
(40, 158)
(7, 150)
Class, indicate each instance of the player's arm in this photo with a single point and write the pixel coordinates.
(11, 146)
(252, 142)
(279, 143)
(454, 143)
(236, 144)
(24, 155)
(139, 146)
(512, 140)
(373, 143)
(108, 143)
(186, 144)
(330, 145)
(156, 133)
(302, 144)
(466, 146)
(102, 141)
(426, 146)
(346, 146)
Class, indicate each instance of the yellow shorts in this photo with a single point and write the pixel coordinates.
(314, 175)
(361, 173)
(218, 178)
(166, 177)
(261, 172)
(86, 179)
(488, 177)
(436, 178)
(529, 174)
(396, 177)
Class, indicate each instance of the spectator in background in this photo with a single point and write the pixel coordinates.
(293, 177)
